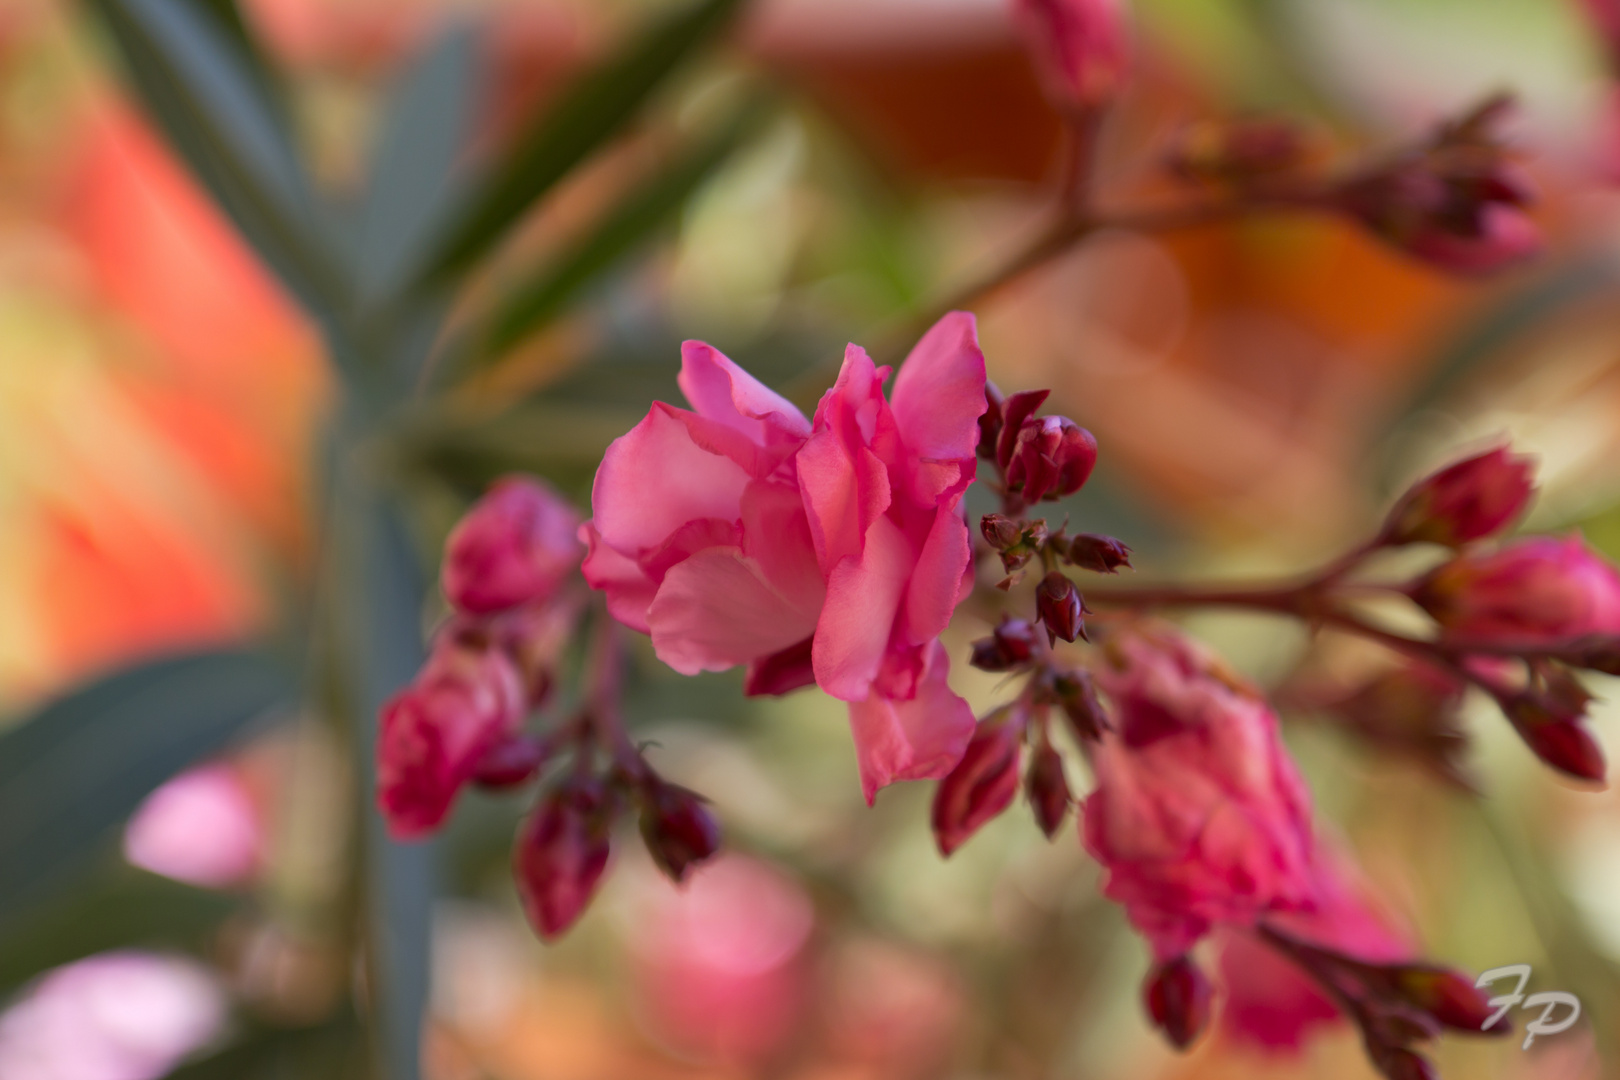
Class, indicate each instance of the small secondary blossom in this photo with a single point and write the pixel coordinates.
(739, 532)
(513, 547)
(1199, 815)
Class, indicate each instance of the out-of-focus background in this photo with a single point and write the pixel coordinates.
(1258, 389)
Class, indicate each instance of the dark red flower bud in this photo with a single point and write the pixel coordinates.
(1061, 608)
(561, 852)
(1566, 745)
(1447, 996)
(983, 783)
(1401, 1064)
(1052, 458)
(990, 421)
(1100, 554)
(511, 763)
(1018, 408)
(1012, 644)
(1472, 499)
(1047, 789)
(1178, 999)
(1001, 532)
(679, 830)
(1237, 152)
(1077, 696)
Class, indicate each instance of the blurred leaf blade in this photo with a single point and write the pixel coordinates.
(589, 114)
(537, 300)
(196, 86)
(80, 765)
(410, 177)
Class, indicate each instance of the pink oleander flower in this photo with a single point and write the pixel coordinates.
(1198, 815)
(1269, 1001)
(436, 732)
(1081, 48)
(1542, 590)
(831, 551)
(1475, 498)
(515, 546)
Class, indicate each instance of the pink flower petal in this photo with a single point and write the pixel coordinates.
(629, 591)
(720, 390)
(936, 581)
(863, 597)
(716, 610)
(776, 535)
(657, 477)
(937, 401)
(920, 739)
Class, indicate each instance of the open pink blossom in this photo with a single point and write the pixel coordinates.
(514, 546)
(1199, 815)
(1270, 1002)
(434, 733)
(832, 551)
(1542, 590)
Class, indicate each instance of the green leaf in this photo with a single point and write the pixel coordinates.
(410, 188)
(589, 114)
(80, 765)
(197, 87)
(537, 300)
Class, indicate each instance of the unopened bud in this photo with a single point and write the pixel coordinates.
(561, 852)
(1048, 789)
(1397, 1063)
(1011, 645)
(1178, 999)
(983, 783)
(514, 546)
(1001, 532)
(1077, 696)
(511, 763)
(1099, 554)
(1566, 745)
(1081, 49)
(1061, 608)
(1052, 458)
(679, 830)
(1447, 996)
(1018, 408)
(1472, 499)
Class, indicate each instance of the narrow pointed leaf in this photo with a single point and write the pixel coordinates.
(74, 770)
(589, 114)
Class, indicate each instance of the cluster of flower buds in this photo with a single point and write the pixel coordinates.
(461, 720)
(1456, 202)
(1394, 1005)
(1038, 457)
(563, 848)
(1242, 155)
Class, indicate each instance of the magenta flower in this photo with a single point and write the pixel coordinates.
(1081, 48)
(832, 552)
(1475, 498)
(466, 702)
(1536, 591)
(515, 546)
(1199, 815)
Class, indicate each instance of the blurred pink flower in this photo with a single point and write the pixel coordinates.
(1269, 1001)
(202, 827)
(740, 533)
(436, 731)
(515, 546)
(1541, 590)
(1081, 47)
(115, 1016)
(1199, 815)
(718, 962)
